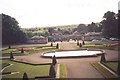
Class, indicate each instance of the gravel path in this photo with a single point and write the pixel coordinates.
(68, 46)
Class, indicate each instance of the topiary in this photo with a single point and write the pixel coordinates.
(103, 58)
(52, 72)
(54, 61)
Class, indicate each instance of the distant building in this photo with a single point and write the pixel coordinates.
(38, 40)
(93, 35)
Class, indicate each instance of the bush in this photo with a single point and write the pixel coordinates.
(83, 42)
(54, 61)
(11, 55)
(9, 47)
(22, 51)
(118, 69)
(80, 45)
(77, 43)
(52, 72)
(25, 77)
(57, 46)
(103, 58)
(51, 44)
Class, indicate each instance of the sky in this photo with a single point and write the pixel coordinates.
(42, 13)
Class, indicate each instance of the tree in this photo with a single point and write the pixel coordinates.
(82, 28)
(11, 32)
(50, 30)
(110, 24)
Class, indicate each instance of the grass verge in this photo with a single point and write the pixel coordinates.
(112, 65)
(102, 70)
(63, 71)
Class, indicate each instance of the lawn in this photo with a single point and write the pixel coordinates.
(30, 49)
(101, 45)
(112, 65)
(102, 70)
(31, 70)
(63, 71)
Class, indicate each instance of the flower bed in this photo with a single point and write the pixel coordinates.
(25, 49)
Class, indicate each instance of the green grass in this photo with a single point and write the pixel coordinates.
(112, 65)
(101, 46)
(102, 70)
(63, 71)
(4, 65)
(30, 50)
(32, 71)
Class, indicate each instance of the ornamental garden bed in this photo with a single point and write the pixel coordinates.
(31, 70)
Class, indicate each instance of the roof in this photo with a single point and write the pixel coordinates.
(92, 34)
(37, 37)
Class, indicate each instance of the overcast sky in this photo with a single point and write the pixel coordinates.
(41, 13)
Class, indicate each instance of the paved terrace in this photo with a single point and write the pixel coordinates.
(76, 67)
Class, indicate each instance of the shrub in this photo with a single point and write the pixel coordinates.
(25, 77)
(80, 45)
(51, 44)
(57, 46)
(11, 55)
(52, 72)
(22, 51)
(77, 43)
(83, 42)
(103, 58)
(118, 69)
(54, 61)
(9, 47)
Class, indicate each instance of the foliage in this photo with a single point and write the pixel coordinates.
(57, 46)
(82, 28)
(52, 72)
(25, 77)
(51, 44)
(9, 47)
(11, 55)
(11, 32)
(80, 45)
(118, 69)
(77, 43)
(110, 24)
(22, 51)
(54, 61)
(103, 58)
(83, 42)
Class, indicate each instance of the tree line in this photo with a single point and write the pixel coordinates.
(12, 33)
